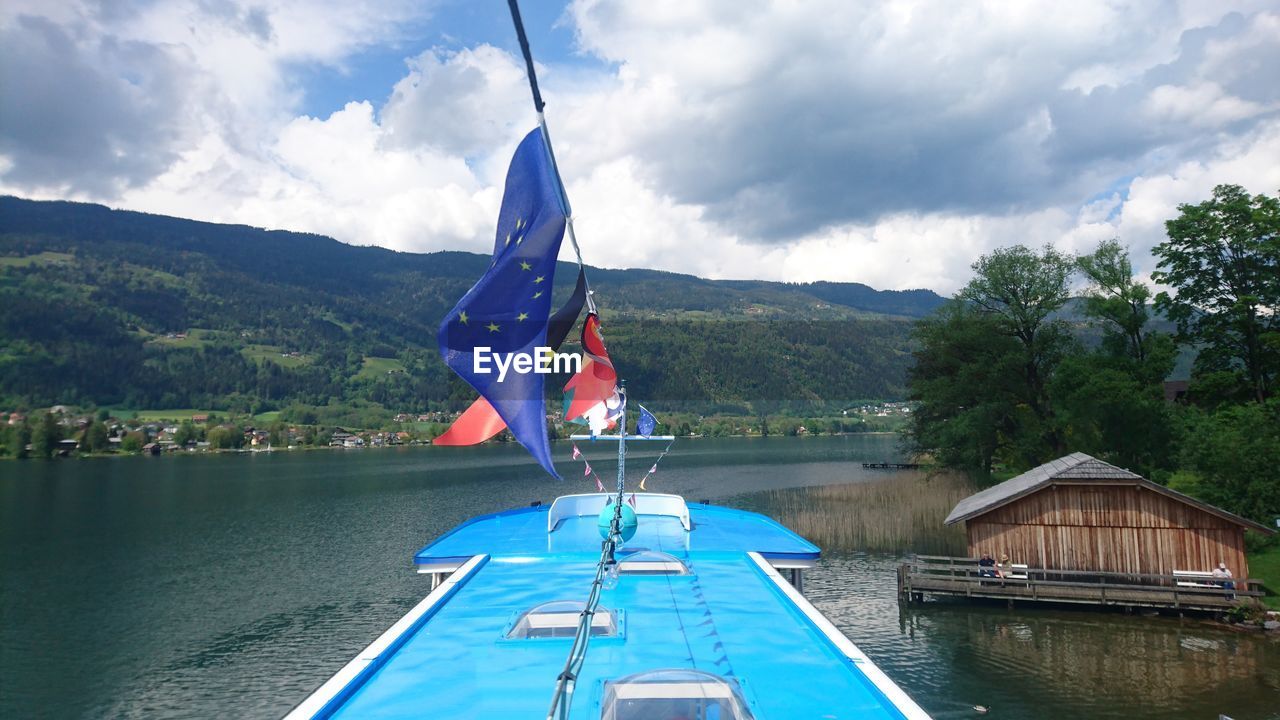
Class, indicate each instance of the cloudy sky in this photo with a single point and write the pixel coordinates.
(888, 143)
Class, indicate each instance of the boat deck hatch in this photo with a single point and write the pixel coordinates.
(559, 619)
(652, 562)
(672, 694)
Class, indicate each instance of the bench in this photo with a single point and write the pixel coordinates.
(1196, 578)
(1016, 571)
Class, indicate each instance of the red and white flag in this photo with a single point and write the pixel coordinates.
(599, 485)
(587, 469)
(576, 452)
(632, 499)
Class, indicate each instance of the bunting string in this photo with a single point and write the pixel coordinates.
(654, 468)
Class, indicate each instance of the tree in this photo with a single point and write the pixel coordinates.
(186, 433)
(1018, 289)
(1235, 452)
(1111, 401)
(1119, 303)
(95, 437)
(133, 441)
(965, 378)
(45, 436)
(225, 437)
(1223, 259)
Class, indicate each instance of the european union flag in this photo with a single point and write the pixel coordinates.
(647, 422)
(506, 310)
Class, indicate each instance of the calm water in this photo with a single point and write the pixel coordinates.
(232, 586)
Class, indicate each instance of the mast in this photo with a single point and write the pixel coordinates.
(538, 105)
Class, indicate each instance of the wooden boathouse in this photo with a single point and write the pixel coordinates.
(1078, 529)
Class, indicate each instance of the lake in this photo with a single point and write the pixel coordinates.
(233, 585)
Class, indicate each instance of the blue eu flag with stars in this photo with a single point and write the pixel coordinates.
(507, 309)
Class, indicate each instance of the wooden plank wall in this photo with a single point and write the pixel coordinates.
(1116, 528)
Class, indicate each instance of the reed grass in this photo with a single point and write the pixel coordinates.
(900, 514)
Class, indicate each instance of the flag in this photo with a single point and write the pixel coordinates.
(599, 485)
(508, 308)
(591, 395)
(646, 477)
(576, 453)
(647, 422)
(632, 499)
(587, 470)
(480, 421)
(653, 469)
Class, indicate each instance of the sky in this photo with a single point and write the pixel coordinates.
(888, 143)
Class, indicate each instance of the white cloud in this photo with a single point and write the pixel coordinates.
(885, 143)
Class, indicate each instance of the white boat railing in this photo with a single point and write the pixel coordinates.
(590, 504)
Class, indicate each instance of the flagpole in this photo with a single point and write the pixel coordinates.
(538, 104)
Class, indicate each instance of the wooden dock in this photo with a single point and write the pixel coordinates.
(932, 576)
(891, 466)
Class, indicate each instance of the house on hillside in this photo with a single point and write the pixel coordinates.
(1079, 513)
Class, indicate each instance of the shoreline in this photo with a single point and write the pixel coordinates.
(76, 455)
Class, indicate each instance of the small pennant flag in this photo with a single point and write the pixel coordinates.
(646, 477)
(587, 470)
(632, 499)
(653, 469)
(599, 485)
(576, 452)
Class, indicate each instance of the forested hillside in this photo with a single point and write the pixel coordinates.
(115, 308)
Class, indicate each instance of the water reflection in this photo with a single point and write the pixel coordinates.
(232, 586)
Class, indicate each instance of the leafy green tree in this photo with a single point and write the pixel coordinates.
(186, 433)
(20, 437)
(1119, 302)
(45, 436)
(134, 441)
(1018, 289)
(1235, 452)
(1223, 259)
(1111, 401)
(966, 381)
(225, 437)
(95, 437)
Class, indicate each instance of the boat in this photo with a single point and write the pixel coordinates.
(618, 605)
(707, 619)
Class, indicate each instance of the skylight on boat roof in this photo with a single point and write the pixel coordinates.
(559, 619)
(673, 694)
(652, 562)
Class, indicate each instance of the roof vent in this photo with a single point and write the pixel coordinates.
(559, 619)
(652, 562)
(672, 694)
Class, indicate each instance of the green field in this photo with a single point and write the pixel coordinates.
(195, 338)
(44, 258)
(180, 414)
(375, 367)
(271, 353)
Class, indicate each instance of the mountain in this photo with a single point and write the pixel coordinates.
(109, 307)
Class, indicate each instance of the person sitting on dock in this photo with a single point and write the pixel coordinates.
(1004, 568)
(987, 566)
(1223, 576)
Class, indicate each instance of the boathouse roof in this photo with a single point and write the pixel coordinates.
(1076, 468)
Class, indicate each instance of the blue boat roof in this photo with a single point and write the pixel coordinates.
(732, 616)
(524, 532)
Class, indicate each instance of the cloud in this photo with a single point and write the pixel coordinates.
(788, 118)
(885, 143)
(96, 115)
